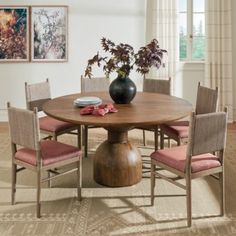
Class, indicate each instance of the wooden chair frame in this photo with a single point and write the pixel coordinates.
(216, 146)
(206, 102)
(155, 86)
(28, 135)
(38, 100)
(94, 84)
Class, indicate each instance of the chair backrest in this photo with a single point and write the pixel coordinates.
(207, 133)
(206, 100)
(37, 94)
(157, 86)
(24, 127)
(94, 84)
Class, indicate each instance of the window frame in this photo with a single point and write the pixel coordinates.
(189, 34)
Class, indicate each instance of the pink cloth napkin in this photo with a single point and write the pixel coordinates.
(99, 110)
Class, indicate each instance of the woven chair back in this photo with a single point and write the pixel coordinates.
(37, 94)
(24, 127)
(157, 86)
(206, 100)
(95, 84)
(207, 133)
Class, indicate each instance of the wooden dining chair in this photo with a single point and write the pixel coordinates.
(36, 95)
(155, 86)
(93, 84)
(206, 102)
(207, 135)
(31, 152)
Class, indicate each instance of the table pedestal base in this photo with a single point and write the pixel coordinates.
(117, 162)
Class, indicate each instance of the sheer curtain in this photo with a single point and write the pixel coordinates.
(218, 66)
(161, 23)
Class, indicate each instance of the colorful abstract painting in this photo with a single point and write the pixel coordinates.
(49, 33)
(14, 32)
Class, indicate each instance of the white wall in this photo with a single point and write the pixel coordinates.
(187, 79)
(89, 21)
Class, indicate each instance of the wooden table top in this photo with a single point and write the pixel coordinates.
(145, 109)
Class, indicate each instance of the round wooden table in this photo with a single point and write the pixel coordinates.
(117, 162)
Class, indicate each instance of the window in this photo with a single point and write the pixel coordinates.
(192, 30)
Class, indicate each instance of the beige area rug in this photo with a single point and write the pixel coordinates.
(114, 211)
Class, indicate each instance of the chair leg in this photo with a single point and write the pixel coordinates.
(156, 138)
(38, 207)
(152, 183)
(144, 138)
(178, 142)
(222, 193)
(169, 143)
(55, 137)
(13, 183)
(79, 141)
(49, 181)
(79, 181)
(162, 140)
(189, 200)
(86, 141)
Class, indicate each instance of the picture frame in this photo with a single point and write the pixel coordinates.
(14, 33)
(49, 33)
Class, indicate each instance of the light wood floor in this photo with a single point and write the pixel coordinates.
(3, 127)
(232, 126)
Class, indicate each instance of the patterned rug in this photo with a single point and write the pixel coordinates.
(114, 211)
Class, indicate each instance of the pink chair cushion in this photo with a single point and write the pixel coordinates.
(178, 128)
(176, 157)
(52, 125)
(52, 152)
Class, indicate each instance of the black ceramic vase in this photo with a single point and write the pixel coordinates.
(122, 90)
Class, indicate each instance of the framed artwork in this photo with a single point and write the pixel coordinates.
(49, 33)
(14, 34)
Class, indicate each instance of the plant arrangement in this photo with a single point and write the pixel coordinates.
(123, 58)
